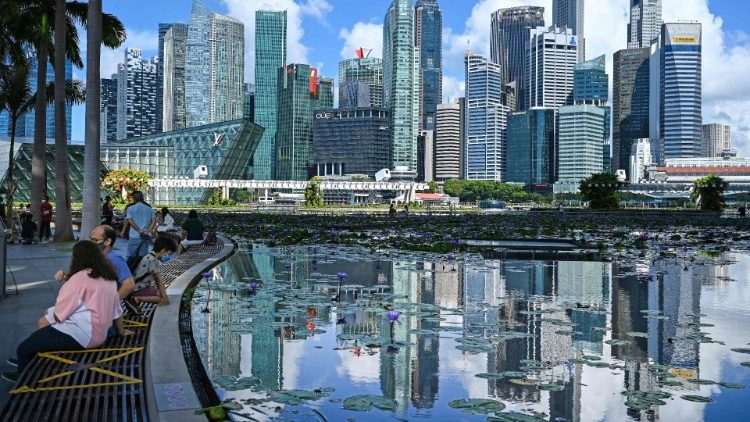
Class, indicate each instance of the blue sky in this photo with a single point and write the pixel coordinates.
(322, 28)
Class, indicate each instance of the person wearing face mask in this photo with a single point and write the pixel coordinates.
(46, 220)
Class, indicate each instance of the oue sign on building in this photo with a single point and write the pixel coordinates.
(323, 115)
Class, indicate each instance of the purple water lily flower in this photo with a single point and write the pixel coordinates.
(342, 276)
(208, 274)
(254, 285)
(393, 316)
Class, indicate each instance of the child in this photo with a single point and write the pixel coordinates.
(149, 286)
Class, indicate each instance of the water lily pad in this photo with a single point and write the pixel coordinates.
(701, 381)
(747, 364)
(741, 350)
(236, 384)
(295, 397)
(477, 406)
(551, 387)
(515, 417)
(697, 399)
(731, 385)
(639, 334)
(366, 402)
(616, 342)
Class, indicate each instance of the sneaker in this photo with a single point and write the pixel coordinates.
(10, 376)
(12, 361)
(132, 305)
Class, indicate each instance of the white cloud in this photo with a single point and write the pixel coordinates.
(726, 56)
(145, 40)
(453, 88)
(362, 35)
(297, 51)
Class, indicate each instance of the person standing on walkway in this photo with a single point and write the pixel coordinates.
(108, 211)
(141, 219)
(46, 220)
(85, 309)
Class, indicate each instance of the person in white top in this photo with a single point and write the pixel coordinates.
(166, 221)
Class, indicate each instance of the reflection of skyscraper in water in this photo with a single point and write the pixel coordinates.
(565, 405)
(266, 349)
(425, 380)
(629, 298)
(583, 287)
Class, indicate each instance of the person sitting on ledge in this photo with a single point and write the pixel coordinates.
(104, 237)
(85, 309)
(192, 232)
(149, 286)
(28, 228)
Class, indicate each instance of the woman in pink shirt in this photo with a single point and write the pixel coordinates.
(86, 307)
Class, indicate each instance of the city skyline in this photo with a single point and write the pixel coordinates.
(342, 29)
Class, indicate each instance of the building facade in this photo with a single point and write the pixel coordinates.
(367, 70)
(426, 156)
(351, 141)
(591, 82)
(214, 67)
(486, 119)
(531, 148)
(675, 96)
(509, 43)
(717, 138)
(355, 94)
(25, 125)
(580, 142)
(108, 110)
(570, 14)
(401, 83)
(551, 60)
(136, 95)
(449, 146)
(640, 158)
(270, 55)
(630, 103)
(295, 115)
(645, 23)
(429, 40)
(248, 102)
(171, 77)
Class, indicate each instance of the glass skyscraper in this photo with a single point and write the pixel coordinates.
(531, 148)
(486, 119)
(108, 110)
(645, 23)
(25, 123)
(214, 68)
(675, 97)
(509, 42)
(401, 66)
(630, 103)
(136, 95)
(429, 41)
(295, 113)
(580, 142)
(171, 77)
(270, 55)
(368, 70)
(570, 14)
(591, 82)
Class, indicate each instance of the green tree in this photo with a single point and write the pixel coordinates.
(601, 191)
(313, 194)
(433, 186)
(708, 192)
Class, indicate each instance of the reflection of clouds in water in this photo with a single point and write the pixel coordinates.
(294, 351)
(462, 368)
(600, 395)
(359, 369)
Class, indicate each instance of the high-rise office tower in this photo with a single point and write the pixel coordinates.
(365, 69)
(171, 77)
(509, 43)
(214, 68)
(248, 109)
(550, 64)
(163, 28)
(108, 110)
(570, 14)
(448, 145)
(355, 94)
(717, 138)
(531, 148)
(645, 23)
(675, 96)
(429, 40)
(136, 95)
(401, 82)
(25, 124)
(630, 103)
(322, 97)
(486, 119)
(426, 156)
(270, 55)
(295, 114)
(591, 86)
(580, 142)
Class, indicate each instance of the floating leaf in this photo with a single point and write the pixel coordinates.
(477, 406)
(701, 381)
(639, 334)
(615, 342)
(697, 399)
(515, 417)
(366, 402)
(551, 387)
(295, 397)
(732, 386)
(741, 350)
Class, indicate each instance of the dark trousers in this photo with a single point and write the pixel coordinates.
(46, 339)
(44, 230)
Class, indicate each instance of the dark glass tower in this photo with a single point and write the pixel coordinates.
(429, 40)
(630, 103)
(531, 148)
(509, 41)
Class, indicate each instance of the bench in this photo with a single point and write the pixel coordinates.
(97, 384)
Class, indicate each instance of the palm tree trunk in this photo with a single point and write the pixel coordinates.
(11, 189)
(39, 154)
(91, 173)
(63, 219)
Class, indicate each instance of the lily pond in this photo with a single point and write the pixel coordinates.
(347, 333)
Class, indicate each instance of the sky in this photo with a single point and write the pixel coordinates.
(323, 32)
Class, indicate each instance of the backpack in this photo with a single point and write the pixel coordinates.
(211, 238)
(133, 263)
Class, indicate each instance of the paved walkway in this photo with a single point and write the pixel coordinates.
(33, 267)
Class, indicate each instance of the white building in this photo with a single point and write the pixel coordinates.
(687, 170)
(717, 138)
(640, 157)
(581, 143)
(645, 23)
(551, 60)
(448, 142)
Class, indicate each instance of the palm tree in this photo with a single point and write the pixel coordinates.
(16, 99)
